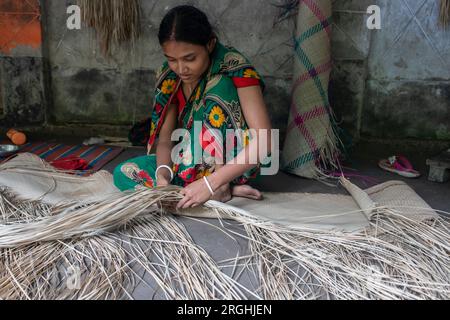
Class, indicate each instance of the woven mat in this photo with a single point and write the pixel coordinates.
(347, 212)
(97, 156)
(310, 138)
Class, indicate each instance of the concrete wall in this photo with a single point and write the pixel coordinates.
(22, 67)
(87, 88)
(393, 82)
(388, 83)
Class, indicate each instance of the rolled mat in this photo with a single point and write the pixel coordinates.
(311, 143)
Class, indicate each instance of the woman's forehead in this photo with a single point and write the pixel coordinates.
(180, 49)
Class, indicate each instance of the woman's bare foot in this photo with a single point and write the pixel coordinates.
(223, 194)
(245, 191)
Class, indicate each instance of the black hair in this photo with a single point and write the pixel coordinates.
(186, 23)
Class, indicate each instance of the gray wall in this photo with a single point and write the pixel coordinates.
(393, 82)
(23, 99)
(388, 83)
(87, 88)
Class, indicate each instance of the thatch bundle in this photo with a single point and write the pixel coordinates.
(444, 15)
(115, 21)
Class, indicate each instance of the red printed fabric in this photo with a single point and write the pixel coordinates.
(245, 82)
(70, 163)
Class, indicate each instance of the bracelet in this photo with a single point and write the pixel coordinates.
(208, 185)
(168, 168)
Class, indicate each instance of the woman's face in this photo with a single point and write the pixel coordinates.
(188, 61)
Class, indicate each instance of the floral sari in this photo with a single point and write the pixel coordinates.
(215, 105)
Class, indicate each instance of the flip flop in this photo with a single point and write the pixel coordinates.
(399, 165)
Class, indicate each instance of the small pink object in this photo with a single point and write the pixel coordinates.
(399, 165)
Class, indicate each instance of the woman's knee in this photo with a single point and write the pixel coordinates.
(121, 181)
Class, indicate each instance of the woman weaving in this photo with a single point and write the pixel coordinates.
(201, 82)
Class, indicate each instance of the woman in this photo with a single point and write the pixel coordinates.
(206, 83)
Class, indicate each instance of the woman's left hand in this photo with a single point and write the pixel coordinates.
(195, 194)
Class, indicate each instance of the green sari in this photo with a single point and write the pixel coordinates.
(215, 105)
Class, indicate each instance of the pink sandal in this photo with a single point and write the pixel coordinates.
(399, 165)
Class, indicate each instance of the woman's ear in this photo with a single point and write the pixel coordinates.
(211, 45)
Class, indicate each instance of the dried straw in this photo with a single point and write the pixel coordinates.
(115, 21)
(113, 239)
(164, 249)
(397, 258)
(35, 264)
(444, 14)
(43, 270)
(74, 219)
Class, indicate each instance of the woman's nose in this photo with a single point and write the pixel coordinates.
(182, 68)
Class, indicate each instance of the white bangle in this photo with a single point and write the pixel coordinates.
(168, 168)
(208, 185)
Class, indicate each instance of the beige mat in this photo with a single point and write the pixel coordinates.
(349, 213)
